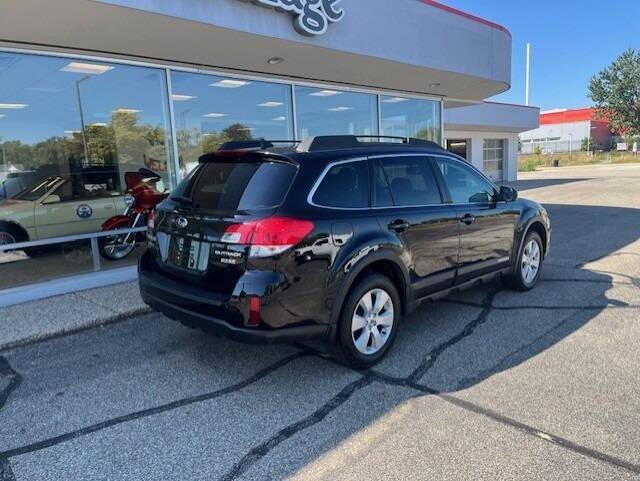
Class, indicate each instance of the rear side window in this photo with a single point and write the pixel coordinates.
(345, 186)
(405, 181)
(238, 186)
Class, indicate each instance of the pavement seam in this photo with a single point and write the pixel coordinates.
(15, 379)
(431, 358)
(539, 434)
(258, 452)
(91, 301)
(6, 473)
(47, 443)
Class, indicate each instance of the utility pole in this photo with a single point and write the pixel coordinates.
(528, 75)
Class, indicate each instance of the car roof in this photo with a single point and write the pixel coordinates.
(324, 148)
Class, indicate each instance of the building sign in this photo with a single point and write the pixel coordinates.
(311, 17)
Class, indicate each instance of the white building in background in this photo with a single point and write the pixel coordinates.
(565, 130)
(486, 135)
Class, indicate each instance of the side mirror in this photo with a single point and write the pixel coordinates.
(52, 199)
(508, 194)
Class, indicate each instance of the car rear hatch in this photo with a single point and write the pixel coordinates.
(206, 230)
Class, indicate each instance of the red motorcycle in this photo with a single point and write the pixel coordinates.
(143, 194)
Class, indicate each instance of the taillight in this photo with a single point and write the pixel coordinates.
(270, 236)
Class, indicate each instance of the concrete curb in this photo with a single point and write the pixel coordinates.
(53, 335)
(44, 319)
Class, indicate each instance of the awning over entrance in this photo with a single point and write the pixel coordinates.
(415, 46)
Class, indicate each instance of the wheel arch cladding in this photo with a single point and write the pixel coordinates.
(381, 265)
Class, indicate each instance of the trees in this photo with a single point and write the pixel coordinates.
(616, 92)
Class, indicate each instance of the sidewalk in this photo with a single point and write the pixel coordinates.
(38, 320)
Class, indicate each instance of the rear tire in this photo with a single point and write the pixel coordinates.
(526, 271)
(9, 235)
(369, 321)
(111, 250)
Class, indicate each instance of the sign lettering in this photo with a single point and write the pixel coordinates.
(311, 17)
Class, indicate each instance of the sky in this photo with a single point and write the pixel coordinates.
(571, 40)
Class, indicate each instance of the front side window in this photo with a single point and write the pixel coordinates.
(345, 186)
(405, 181)
(465, 185)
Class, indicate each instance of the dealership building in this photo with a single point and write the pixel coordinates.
(91, 89)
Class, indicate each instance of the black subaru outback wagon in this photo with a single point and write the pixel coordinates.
(336, 238)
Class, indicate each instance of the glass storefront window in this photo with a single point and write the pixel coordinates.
(211, 110)
(405, 117)
(332, 112)
(69, 132)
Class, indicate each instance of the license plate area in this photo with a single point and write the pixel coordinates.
(189, 253)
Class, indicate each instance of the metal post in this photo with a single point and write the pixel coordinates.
(528, 75)
(174, 131)
(82, 126)
(95, 254)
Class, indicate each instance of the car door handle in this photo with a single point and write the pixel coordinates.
(399, 226)
(468, 219)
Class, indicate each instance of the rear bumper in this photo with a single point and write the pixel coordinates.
(217, 315)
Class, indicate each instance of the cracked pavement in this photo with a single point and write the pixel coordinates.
(487, 384)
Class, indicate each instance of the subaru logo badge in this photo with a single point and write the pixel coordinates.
(182, 222)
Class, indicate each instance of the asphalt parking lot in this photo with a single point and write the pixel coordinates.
(488, 384)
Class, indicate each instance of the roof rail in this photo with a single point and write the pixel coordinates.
(254, 144)
(337, 142)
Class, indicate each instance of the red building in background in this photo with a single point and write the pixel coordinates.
(563, 130)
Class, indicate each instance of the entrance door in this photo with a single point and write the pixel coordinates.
(458, 147)
(493, 159)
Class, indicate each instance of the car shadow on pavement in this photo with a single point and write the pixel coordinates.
(264, 403)
(528, 184)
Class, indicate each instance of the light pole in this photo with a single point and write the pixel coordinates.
(570, 144)
(591, 129)
(528, 75)
(82, 126)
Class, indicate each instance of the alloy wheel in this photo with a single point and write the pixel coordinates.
(372, 321)
(530, 262)
(6, 238)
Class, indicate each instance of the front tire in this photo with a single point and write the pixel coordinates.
(527, 269)
(369, 321)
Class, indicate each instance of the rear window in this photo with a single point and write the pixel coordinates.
(238, 186)
(345, 186)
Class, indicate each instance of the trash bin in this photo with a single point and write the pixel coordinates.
(556, 162)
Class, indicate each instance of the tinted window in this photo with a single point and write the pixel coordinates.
(465, 184)
(410, 181)
(345, 185)
(233, 186)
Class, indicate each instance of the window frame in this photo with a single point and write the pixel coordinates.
(324, 173)
(428, 159)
